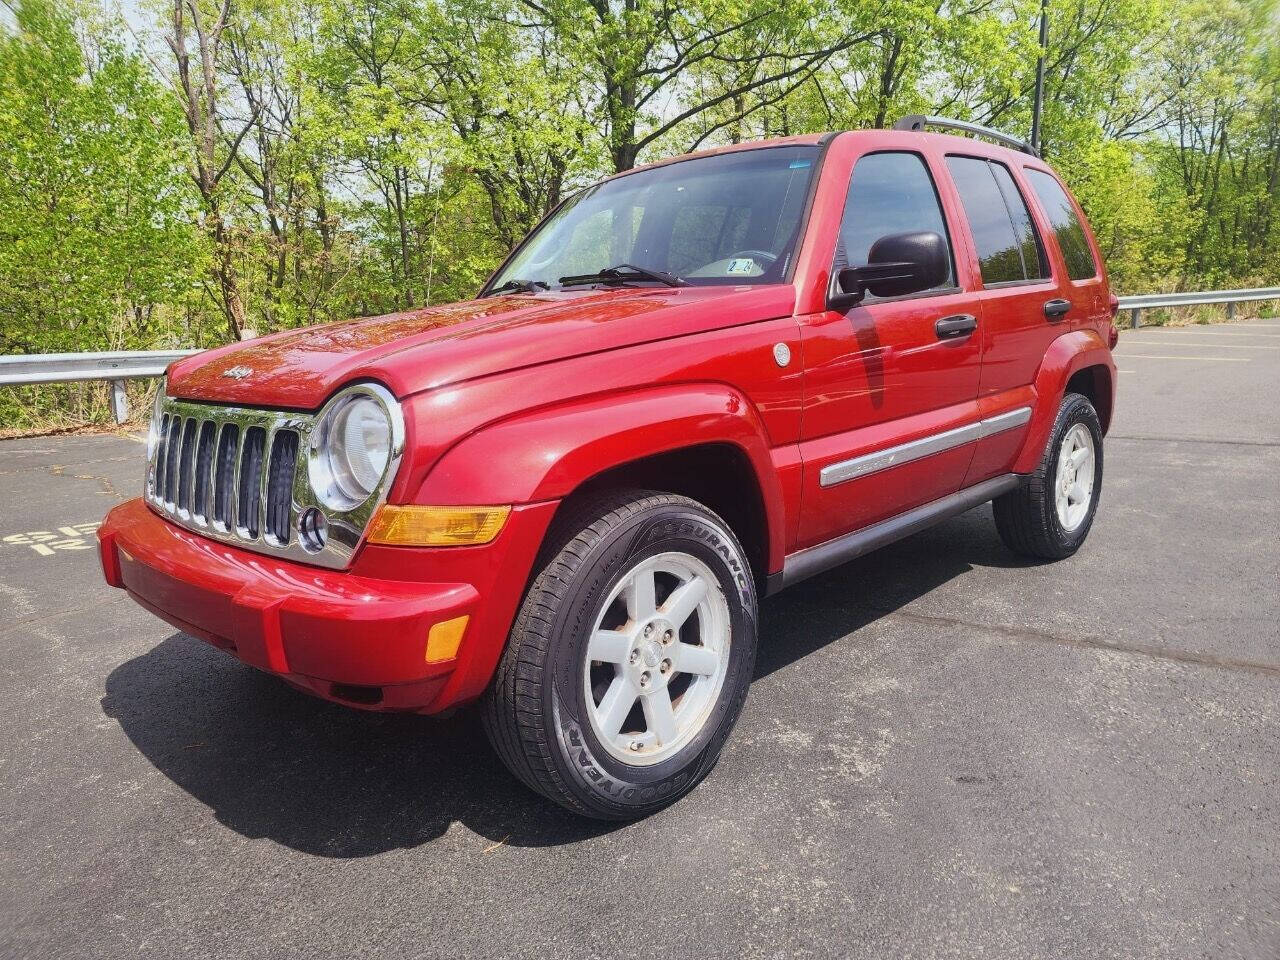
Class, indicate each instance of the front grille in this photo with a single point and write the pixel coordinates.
(239, 476)
(228, 472)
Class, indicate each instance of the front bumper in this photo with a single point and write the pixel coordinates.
(357, 636)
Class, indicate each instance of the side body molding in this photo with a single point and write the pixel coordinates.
(547, 453)
(1068, 354)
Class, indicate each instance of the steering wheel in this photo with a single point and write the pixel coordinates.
(765, 255)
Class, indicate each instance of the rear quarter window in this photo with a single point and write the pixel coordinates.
(1007, 245)
(1065, 223)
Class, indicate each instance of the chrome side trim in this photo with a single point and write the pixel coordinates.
(1005, 421)
(869, 463)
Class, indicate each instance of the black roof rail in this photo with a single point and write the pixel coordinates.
(918, 121)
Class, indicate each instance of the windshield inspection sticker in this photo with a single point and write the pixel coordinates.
(743, 266)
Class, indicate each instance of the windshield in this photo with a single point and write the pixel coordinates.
(727, 218)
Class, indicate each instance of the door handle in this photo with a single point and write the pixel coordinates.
(1056, 309)
(961, 325)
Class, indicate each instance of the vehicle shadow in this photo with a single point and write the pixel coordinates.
(274, 763)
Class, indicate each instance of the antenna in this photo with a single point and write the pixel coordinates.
(1039, 100)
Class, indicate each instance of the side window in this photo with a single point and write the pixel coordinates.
(1066, 225)
(888, 193)
(1033, 260)
(1008, 249)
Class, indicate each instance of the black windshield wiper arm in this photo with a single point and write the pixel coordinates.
(623, 272)
(518, 286)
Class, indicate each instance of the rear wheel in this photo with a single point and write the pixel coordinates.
(1050, 514)
(630, 658)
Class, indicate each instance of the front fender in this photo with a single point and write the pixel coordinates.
(546, 454)
(1067, 355)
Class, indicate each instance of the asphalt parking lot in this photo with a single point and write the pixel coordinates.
(946, 752)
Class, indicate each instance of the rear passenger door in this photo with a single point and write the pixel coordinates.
(885, 386)
(1019, 296)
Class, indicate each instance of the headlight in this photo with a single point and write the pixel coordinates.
(354, 441)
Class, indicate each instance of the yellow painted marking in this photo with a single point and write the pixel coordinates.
(1201, 343)
(1156, 356)
(46, 543)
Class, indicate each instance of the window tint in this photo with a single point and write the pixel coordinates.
(1007, 247)
(888, 193)
(1033, 261)
(1066, 225)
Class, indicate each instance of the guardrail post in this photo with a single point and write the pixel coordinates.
(1133, 318)
(1231, 312)
(119, 401)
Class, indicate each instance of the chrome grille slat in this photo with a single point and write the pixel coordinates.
(171, 460)
(224, 472)
(157, 467)
(185, 458)
(205, 437)
(278, 497)
(249, 487)
(240, 476)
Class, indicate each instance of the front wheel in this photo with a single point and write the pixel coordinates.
(1051, 513)
(630, 658)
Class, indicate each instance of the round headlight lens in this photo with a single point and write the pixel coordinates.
(352, 454)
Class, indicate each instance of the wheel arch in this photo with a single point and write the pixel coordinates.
(705, 441)
(1079, 359)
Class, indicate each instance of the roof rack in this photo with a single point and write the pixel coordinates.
(918, 121)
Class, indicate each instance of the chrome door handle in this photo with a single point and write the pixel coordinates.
(961, 325)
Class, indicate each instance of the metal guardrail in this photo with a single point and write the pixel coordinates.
(125, 365)
(117, 367)
(1147, 301)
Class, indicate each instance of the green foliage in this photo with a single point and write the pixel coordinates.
(353, 157)
(97, 250)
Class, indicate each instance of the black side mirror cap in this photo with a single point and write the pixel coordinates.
(898, 264)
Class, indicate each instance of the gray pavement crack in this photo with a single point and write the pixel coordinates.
(80, 463)
(58, 470)
(1229, 441)
(15, 625)
(1083, 641)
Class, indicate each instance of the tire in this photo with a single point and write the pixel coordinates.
(546, 712)
(1028, 518)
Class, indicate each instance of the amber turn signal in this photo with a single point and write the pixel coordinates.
(415, 526)
(444, 638)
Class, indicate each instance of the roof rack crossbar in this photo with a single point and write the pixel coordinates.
(918, 121)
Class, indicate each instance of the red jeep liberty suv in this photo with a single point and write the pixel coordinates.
(694, 384)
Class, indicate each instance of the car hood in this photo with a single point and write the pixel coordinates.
(422, 349)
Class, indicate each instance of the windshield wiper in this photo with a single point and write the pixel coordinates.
(518, 286)
(624, 272)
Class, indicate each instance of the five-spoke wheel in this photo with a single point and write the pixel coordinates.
(1050, 514)
(657, 657)
(630, 658)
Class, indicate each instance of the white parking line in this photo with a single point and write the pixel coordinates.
(1156, 356)
(1201, 343)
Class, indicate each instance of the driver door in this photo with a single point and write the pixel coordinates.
(885, 384)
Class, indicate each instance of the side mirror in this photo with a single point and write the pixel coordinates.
(898, 264)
